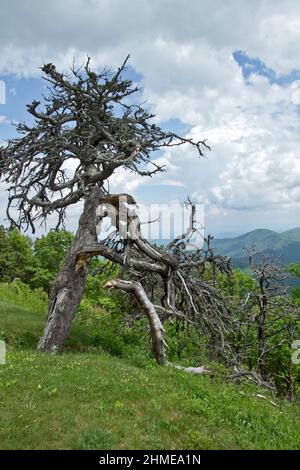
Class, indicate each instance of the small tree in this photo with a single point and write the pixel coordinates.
(267, 322)
(270, 278)
(49, 252)
(85, 128)
(16, 257)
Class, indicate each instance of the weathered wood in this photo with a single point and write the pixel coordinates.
(203, 305)
(100, 249)
(156, 327)
(193, 370)
(69, 285)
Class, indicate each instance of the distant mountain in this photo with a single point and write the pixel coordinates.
(285, 245)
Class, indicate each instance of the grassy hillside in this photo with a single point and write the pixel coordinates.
(285, 245)
(84, 399)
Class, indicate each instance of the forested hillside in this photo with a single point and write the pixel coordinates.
(285, 246)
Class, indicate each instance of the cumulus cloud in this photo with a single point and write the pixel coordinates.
(184, 52)
(160, 34)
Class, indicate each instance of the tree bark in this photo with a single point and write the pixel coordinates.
(68, 287)
(261, 336)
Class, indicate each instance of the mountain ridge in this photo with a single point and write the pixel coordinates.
(284, 245)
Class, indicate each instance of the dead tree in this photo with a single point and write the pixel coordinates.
(269, 277)
(85, 128)
(169, 282)
(268, 310)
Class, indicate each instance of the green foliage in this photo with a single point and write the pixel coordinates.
(294, 270)
(105, 316)
(16, 257)
(185, 345)
(33, 263)
(242, 283)
(49, 253)
(280, 330)
(100, 328)
(97, 300)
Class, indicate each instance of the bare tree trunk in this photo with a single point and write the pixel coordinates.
(68, 287)
(289, 373)
(261, 339)
(156, 328)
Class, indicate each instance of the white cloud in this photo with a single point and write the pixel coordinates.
(161, 33)
(184, 52)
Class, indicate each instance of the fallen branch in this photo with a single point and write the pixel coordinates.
(256, 378)
(265, 398)
(192, 370)
(156, 327)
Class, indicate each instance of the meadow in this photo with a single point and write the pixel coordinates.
(88, 398)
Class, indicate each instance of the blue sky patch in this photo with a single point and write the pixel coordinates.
(250, 65)
(19, 93)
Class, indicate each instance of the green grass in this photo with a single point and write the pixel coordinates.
(85, 400)
(23, 315)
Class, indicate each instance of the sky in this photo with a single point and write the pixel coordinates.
(228, 72)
